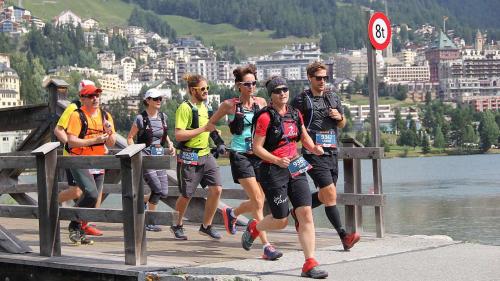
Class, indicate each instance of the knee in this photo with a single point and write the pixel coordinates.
(215, 191)
(257, 201)
(304, 215)
(328, 196)
(77, 192)
(154, 198)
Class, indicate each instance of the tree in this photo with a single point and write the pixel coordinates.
(401, 92)
(426, 148)
(398, 123)
(439, 138)
(470, 134)
(488, 130)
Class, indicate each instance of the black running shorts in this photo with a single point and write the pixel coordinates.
(325, 169)
(244, 166)
(279, 187)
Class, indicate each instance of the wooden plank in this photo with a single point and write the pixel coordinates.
(17, 162)
(46, 148)
(88, 162)
(24, 199)
(48, 207)
(10, 244)
(131, 150)
(89, 214)
(23, 117)
(361, 153)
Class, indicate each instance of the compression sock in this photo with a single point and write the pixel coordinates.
(332, 213)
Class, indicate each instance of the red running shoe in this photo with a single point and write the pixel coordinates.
(90, 230)
(349, 240)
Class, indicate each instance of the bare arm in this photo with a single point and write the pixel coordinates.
(111, 140)
(132, 133)
(336, 115)
(184, 135)
(262, 153)
(224, 109)
(308, 143)
(60, 134)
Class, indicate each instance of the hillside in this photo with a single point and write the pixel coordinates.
(249, 42)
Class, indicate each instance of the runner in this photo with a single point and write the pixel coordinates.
(244, 164)
(323, 114)
(89, 130)
(195, 164)
(278, 128)
(151, 129)
(73, 192)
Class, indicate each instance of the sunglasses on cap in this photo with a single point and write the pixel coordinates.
(156, 99)
(91, 96)
(319, 78)
(202, 89)
(248, 84)
(280, 90)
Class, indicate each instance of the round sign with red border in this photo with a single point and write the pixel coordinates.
(379, 31)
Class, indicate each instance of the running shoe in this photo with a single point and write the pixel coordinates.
(210, 232)
(296, 221)
(315, 273)
(270, 253)
(153, 228)
(91, 230)
(349, 240)
(178, 232)
(74, 236)
(229, 220)
(84, 240)
(249, 235)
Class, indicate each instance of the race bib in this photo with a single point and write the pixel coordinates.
(190, 158)
(326, 139)
(248, 144)
(157, 150)
(298, 166)
(96, 171)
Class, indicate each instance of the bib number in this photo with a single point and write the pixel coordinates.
(96, 171)
(190, 158)
(248, 144)
(157, 150)
(326, 139)
(298, 166)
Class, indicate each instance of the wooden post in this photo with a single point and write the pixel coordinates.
(373, 90)
(352, 184)
(57, 89)
(48, 207)
(133, 204)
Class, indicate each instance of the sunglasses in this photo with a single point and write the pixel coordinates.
(156, 99)
(319, 78)
(280, 90)
(202, 89)
(91, 96)
(248, 84)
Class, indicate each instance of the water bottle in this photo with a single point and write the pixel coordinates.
(195, 123)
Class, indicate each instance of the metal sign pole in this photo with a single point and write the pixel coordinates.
(373, 90)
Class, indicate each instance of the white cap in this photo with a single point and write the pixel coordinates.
(153, 93)
(84, 83)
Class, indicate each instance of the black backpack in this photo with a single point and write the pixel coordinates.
(274, 134)
(146, 132)
(303, 103)
(237, 125)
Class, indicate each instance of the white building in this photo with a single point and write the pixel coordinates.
(9, 87)
(67, 17)
(386, 115)
(351, 65)
(127, 68)
(89, 24)
(106, 59)
(112, 87)
(400, 73)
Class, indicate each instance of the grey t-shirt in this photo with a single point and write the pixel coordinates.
(156, 125)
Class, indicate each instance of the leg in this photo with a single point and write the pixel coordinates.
(181, 206)
(307, 236)
(212, 203)
(73, 192)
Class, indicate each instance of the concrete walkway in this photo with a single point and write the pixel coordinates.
(391, 258)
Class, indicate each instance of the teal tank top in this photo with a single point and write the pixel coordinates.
(239, 142)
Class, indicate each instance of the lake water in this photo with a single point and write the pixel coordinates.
(458, 196)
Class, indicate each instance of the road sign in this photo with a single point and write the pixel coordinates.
(379, 31)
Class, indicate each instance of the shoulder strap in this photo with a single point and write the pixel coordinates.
(85, 124)
(309, 108)
(165, 128)
(145, 120)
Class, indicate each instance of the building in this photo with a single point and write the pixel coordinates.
(386, 114)
(400, 73)
(106, 59)
(112, 87)
(89, 24)
(127, 67)
(481, 103)
(67, 17)
(351, 65)
(406, 57)
(442, 50)
(211, 69)
(9, 87)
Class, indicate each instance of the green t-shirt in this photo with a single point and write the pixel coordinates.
(183, 118)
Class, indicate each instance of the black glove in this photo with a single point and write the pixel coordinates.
(218, 151)
(216, 138)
